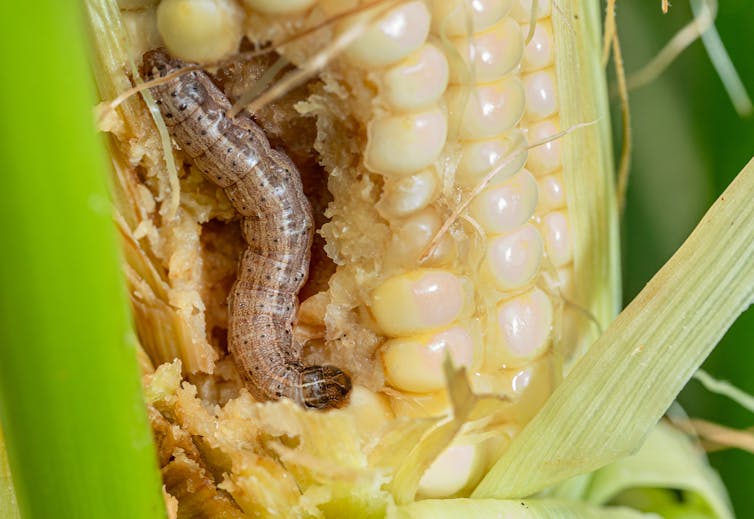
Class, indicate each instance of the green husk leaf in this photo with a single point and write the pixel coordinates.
(514, 509)
(667, 460)
(649, 480)
(71, 409)
(8, 503)
(619, 390)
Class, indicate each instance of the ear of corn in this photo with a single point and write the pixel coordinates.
(398, 167)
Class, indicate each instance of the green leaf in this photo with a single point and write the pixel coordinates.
(667, 462)
(514, 509)
(618, 391)
(75, 426)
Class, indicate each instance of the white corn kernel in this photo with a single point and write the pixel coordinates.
(491, 54)
(489, 109)
(419, 301)
(478, 158)
(541, 94)
(403, 144)
(403, 196)
(503, 207)
(521, 10)
(457, 468)
(557, 238)
(417, 81)
(551, 193)
(524, 326)
(451, 17)
(513, 260)
(416, 363)
(545, 158)
(200, 30)
(413, 235)
(539, 53)
(279, 6)
(396, 35)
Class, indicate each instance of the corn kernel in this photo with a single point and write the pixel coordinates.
(419, 301)
(396, 35)
(450, 17)
(403, 144)
(478, 158)
(557, 238)
(524, 326)
(502, 208)
(541, 95)
(403, 196)
(200, 30)
(279, 6)
(457, 468)
(491, 54)
(488, 110)
(417, 81)
(416, 363)
(544, 159)
(539, 53)
(512, 260)
(551, 192)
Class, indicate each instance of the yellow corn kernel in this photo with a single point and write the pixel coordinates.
(199, 30)
(419, 301)
(415, 363)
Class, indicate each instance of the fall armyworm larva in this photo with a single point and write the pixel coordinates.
(265, 187)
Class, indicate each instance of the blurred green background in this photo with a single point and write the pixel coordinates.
(689, 143)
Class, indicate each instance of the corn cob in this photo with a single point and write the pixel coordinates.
(450, 236)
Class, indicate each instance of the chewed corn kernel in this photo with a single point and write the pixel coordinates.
(419, 301)
(403, 196)
(279, 6)
(491, 54)
(199, 30)
(490, 109)
(503, 207)
(417, 81)
(506, 153)
(393, 37)
(524, 325)
(455, 469)
(513, 260)
(403, 144)
(450, 17)
(416, 363)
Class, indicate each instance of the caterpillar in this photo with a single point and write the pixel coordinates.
(265, 187)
